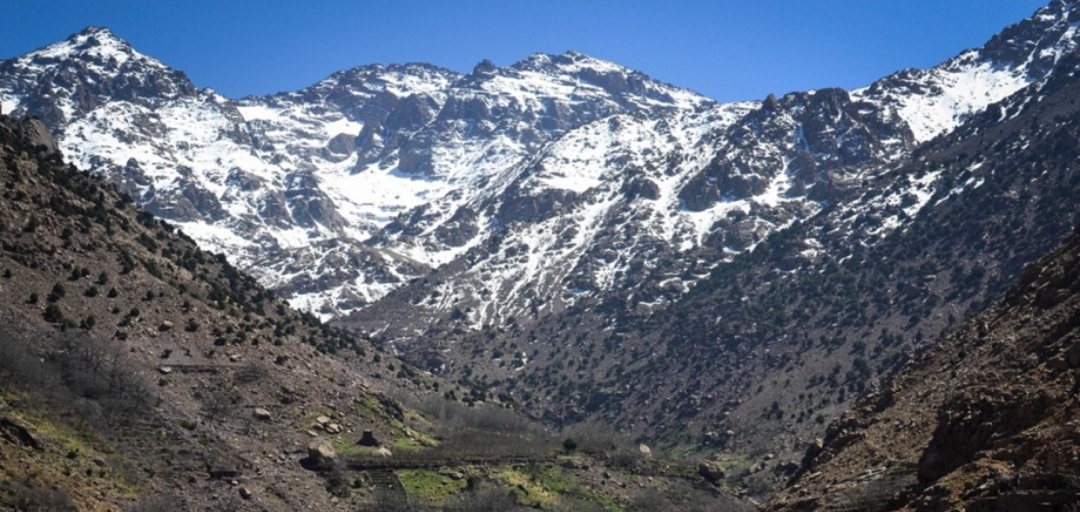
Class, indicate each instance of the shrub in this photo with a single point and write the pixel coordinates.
(53, 314)
(88, 323)
(57, 293)
(251, 372)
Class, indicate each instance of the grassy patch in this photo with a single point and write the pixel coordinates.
(555, 479)
(528, 491)
(65, 467)
(372, 404)
(407, 444)
(685, 452)
(734, 463)
(429, 486)
(414, 440)
(345, 446)
(568, 488)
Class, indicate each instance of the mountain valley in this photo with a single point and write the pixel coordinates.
(569, 239)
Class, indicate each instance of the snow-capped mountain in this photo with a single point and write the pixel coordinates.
(503, 193)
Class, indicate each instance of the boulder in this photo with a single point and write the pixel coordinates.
(38, 134)
(645, 450)
(19, 433)
(711, 472)
(262, 414)
(321, 455)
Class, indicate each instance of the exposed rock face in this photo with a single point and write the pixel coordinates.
(970, 421)
(38, 134)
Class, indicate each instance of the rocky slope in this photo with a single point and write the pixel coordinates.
(138, 372)
(985, 420)
(134, 362)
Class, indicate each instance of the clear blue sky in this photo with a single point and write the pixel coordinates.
(728, 50)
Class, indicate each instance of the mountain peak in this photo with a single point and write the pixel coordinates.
(92, 44)
(485, 67)
(92, 30)
(70, 78)
(568, 62)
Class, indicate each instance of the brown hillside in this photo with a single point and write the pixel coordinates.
(987, 420)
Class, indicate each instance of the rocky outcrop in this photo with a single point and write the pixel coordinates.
(321, 456)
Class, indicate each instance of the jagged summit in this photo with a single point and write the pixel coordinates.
(97, 45)
(68, 79)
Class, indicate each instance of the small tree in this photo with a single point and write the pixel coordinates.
(53, 314)
(569, 444)
(88, 323)
(57, 293)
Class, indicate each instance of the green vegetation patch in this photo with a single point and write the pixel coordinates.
(372, 404)
(429, 486)
(345, 447)
(568, 489)
(528, 491)
(411, 439)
